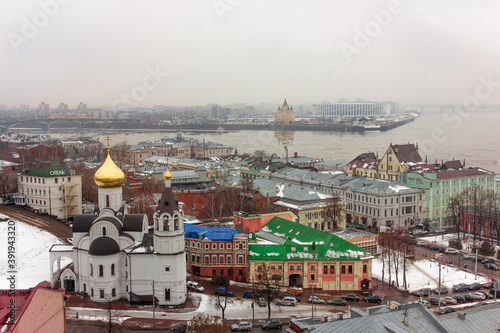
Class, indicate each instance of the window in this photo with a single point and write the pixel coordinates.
(214, 246)
(313, 268)
(306, 249)
(332, 269)
(273, 267)
(228, 259)
(349, 269)
(325, 269)
(197, 258)
(104, 231)
(192, 257)
(241, 246)
(91, 270)
(221, 246)
(214, 259)
(56, 180)
(101, 293)
(167, 268)
(313, 277)
(101, 270)
(113, 269)
(194, 206)
(229, 246)
(293, 249)
(240, 259)
(280, 267)
(206, 246)
(221, 272)
(126, 288)
(207, 258)
(342, 269)
(299, 267)
(167, 294)
(221, 259)
(92, 292)
(365, 268)
(107, 200)
(84, 287)
(113, 292)
(292, 267)
(259, 267)
(240, 272)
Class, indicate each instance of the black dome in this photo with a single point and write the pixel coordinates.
(104, 246)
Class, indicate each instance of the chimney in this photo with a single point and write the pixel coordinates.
(295, 155)
(461, 315)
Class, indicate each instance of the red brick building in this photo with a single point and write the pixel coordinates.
(216, 251)
(249, 223)
(8, 177)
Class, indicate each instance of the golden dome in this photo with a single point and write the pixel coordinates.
(109, 174)
(167, 175)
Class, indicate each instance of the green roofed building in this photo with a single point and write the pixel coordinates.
(301, 256)
(52, 190)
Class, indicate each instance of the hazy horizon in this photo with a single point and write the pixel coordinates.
(233, 51)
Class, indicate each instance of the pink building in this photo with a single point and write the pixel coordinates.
(39, 309)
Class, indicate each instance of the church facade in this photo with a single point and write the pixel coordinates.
(114, 256)
(284, 114)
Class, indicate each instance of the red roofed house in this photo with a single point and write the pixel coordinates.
(398, 159)
(39, 309)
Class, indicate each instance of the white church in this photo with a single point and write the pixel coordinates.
(114, 256)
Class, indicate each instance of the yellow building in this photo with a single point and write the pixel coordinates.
(398, 159)
(284, 114)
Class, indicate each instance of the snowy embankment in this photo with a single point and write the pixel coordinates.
(425, 274)
(31, 254)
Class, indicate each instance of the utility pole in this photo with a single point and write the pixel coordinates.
(312, 302)
(475, 270)
(495, 284)
(439, 283)
(253, 300)
(154, 304)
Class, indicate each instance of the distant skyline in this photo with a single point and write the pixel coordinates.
(228, 51)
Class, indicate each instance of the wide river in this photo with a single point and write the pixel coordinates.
(473, 137)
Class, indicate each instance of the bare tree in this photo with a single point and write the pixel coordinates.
(121, 153)
(332, 212)
(221, 301)
(269, 285)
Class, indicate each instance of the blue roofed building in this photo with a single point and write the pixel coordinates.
(216, 252)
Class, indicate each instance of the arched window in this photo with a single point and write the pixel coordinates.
(91, 270)
(107, 200)
(101, 270)
(176, 224)
(104, 231)
(166, 225)
(113, 269)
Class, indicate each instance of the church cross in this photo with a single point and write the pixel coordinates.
(107, 139)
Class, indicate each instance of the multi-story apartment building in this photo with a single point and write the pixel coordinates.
(369, 201)
(296, 255)
(441, 183)
(216, 251)
(201, 150)
(52, 189)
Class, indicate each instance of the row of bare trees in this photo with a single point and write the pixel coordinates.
(475, 208)
(395, 253)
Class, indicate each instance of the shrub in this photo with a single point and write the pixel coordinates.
(455, 243)
(486, 249)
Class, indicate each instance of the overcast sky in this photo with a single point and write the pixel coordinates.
(249, 51)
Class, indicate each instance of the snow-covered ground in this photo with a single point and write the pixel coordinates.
(443, 240)
(425, 274)
(31, 255)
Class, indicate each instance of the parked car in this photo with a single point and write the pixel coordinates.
(478, 296)
(446, 310)
(451, 251)
(288, 301)
(469, 257)
(261, 301)
(351, 297)
(491, 266)
(451, 266)
(474, 286)
(488, 285)
(271, 324)
(425, 303)
(481, 275)
(466, 270)
(350, 225)
(195, 286)
(241, 326)
(444, 290)
(337, 302)
(428, 245)
(421, 243)
(449, 300)
(8, 202)
(468, 298)
(460, 287)
(220, 281)
(315, 300)
(436, 301)
(459, 298)
(179, 328)
(496, 291)
(434, 247)
(223, 292)
(487, 261)
(422, 292)
(442, 249)
(486, 294)
(250, 294)
(373, 298)
(290, 295)
(361, 226)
